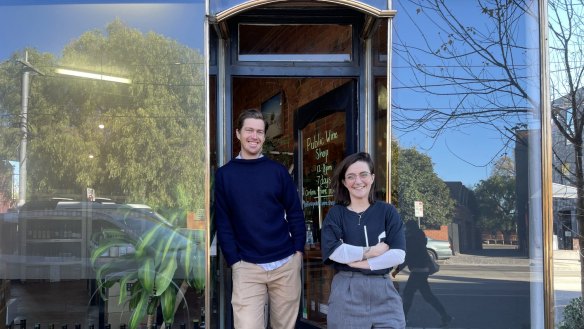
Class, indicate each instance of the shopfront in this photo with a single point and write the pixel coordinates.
(114, 124)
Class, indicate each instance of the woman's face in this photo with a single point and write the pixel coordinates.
(358, 180)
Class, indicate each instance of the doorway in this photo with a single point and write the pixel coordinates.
(565, 230)
(312, 127)
(310, 121)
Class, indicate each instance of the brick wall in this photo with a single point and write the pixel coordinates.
(441, 234)
(252, 92)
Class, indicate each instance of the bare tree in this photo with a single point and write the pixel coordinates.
(473, 63)
(476, 56)
(483, 57)
(566, 39)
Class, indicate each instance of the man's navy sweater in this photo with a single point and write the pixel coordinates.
(258, 213)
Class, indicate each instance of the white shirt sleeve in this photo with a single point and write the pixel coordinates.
(347, 253)
(388, 259)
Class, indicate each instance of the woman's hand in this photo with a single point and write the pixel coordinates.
(363, 264)
(377, 250)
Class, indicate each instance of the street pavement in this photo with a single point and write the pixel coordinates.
(567, 283)
(566, 270)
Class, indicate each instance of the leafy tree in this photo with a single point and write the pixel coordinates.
(151, 149)
(419, 182)
(6, 196)
(496, 199)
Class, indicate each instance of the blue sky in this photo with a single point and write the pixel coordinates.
(50, 27)
(466, 152)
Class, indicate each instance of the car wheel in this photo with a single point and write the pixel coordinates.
(432, 254)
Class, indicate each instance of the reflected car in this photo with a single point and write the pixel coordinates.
(64, 233)
(439, 249)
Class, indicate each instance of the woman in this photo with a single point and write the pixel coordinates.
(418, 261)
(356, 237)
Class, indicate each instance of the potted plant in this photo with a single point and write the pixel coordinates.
(573, 315)
(165, 262)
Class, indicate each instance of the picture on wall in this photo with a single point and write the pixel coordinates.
(272, 111)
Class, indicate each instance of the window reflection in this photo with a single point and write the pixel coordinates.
(103, 163)
(464, 121)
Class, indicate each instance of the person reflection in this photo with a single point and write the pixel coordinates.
(418, 261)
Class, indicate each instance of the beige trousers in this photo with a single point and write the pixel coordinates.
(252, 286)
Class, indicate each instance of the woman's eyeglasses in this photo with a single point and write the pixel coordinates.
(363, 175)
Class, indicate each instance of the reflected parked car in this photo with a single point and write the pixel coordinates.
(55, 238)
(439, 249)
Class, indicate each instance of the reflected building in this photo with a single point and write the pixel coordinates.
(464, 230)
(566, 225)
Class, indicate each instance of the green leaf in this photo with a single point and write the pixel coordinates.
(136, 294)
(169, 243)
(164, 277)
(199, 272)
(147, 274)
(139, 312)
(187, 257)
(147, 240)
(167, 301)
(106, 245)
(123, 282)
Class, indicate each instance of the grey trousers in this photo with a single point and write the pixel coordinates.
(359, 301)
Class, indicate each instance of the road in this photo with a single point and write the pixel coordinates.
(484, 292)
(478, 296)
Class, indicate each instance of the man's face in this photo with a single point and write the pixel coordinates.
(251, 136)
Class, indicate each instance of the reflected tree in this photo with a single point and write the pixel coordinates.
(496, 199)
(473, 65)
(482, 60)
(477, 60)
(419, 182)
(140, 142)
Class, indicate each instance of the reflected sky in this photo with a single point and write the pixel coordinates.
(49, 28)
(466, 149)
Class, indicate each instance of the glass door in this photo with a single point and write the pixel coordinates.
(324, 134)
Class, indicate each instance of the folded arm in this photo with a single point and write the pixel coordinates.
(347, 253)
(388, 259)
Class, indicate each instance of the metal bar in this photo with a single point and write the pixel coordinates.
(546, 168)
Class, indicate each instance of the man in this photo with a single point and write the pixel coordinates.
(260, 229)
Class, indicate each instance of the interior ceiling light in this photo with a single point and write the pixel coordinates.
(95, 76)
